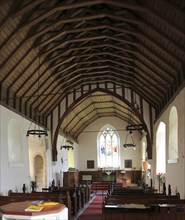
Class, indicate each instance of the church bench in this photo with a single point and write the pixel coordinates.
(79, 197)
(75, 198)
(39, 195)
(140, 196)
(5, 200)
(142, 199)
(126, 190)
(159, 207)
(164, 213)
(61, 198)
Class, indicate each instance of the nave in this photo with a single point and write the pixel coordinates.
(128, 203)
(94, 210)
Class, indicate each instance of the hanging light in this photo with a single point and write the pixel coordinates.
(129, 144)
(132, 126)
(36, 130)
(136, 127)
(67, 145)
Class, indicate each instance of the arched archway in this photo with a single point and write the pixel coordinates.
(39, 171)
(124, 114)
(37, 160)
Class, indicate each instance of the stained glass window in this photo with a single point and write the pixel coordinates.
(108, 148)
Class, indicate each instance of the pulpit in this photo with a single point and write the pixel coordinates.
(70, 179)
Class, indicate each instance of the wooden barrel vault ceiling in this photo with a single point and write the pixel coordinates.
(49, 48)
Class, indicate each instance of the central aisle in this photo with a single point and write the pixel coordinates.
(94, 210)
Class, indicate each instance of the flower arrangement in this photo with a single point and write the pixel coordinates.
(161, 179)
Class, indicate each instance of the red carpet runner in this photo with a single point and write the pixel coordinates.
(94, 210)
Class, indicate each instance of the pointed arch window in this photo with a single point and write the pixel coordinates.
(108, 148)
(173, 136)
(161, 148)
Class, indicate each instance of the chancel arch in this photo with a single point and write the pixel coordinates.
(93, 104)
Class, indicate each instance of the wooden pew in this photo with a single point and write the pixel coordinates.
(167, 212)
(79, 197)
(38, 195)
(147, 200)
(126, 190)
(74, 194)
(6, 199)
(74, 198)
(83, 194)
(134, 190)
(132, 197)
(157, 207)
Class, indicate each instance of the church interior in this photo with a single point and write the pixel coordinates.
(92, 102)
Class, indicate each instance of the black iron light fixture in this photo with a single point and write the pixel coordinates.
(135, 127)
(129, 141)
(34, 129)
(36, 132)
(67, 145)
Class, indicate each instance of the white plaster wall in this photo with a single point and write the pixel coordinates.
(12, 176)
(88, 143)
(175, 172)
